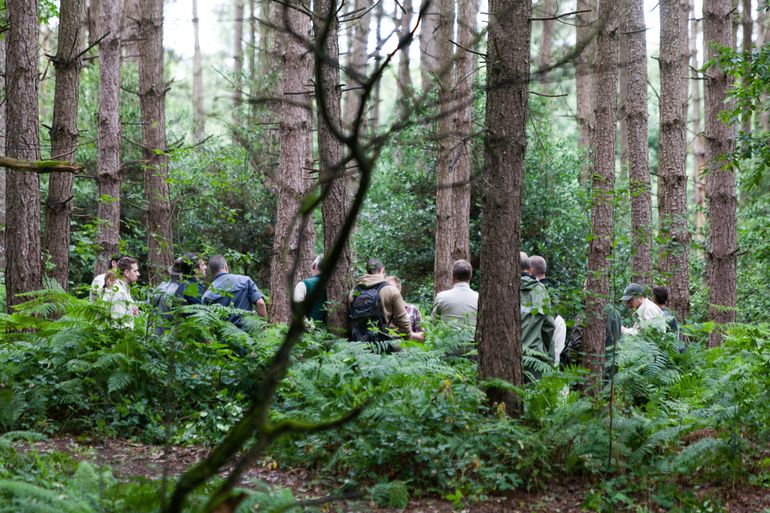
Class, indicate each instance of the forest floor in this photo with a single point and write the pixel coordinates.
(132, 459)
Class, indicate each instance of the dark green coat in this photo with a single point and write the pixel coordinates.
(536, 322)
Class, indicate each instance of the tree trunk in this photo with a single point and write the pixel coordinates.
(763, 37)
(108, 132)
(672, 181)
(603, 187)
(3, 172)
(546, 38)
(498, 329)
(130, 37)
(429, 61)
(237, 60)
(462, 148)
(253, 77)
(584, 81)
(93, 21)
(23, 265)
(442, 268)
(698, 141)
(152, 98)
(635, 72)
(64, 137)
(720, 180)
(747, 25)
(356, 72)
(405, 84)
(331, 154)
(294, 157)
(374, 120)
(199, 111)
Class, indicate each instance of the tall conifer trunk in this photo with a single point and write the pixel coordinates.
(698, 138)
(3, 175)
(331, 154)
(64, 136)
(199, 112)
(405, 84)
(602, 187)
(442, 268)
(634, 71)
(429, 62)
(237, 59)
(721, 191)
(24, 271)
(152, 99)
(295, 160)
(108, 132)
(499, 320)
(584, 81)
(672, 181)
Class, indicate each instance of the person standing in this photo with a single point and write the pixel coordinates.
(459, 304)
(660, 298)
(306, 286)
(192, 270)
(537, 269)
(537, 325)
(415, 318)
(646, 312)
(118, 292)
(235, 290)
(97, 285)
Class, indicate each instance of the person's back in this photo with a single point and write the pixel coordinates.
(377, 311)
(306, 287)
(537, 325)
(233, 290)
(460, 303)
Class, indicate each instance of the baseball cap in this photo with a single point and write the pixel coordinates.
(633, 290)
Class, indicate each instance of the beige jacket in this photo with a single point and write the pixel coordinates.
(393, 307)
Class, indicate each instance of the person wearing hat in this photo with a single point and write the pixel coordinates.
(647, 313)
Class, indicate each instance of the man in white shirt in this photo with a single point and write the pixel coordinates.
(647, 312)
(460, 303)
(118, 293)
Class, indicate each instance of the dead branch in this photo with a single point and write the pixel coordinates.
(40, 166)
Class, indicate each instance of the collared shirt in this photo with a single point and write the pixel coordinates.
(649, 315)
(233, 290)
(97, 287)
(122, 303)
(458, 304)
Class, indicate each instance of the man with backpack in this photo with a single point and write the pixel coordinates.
(377, 311)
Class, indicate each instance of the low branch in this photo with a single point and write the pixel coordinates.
(40, 166)
(559, 16)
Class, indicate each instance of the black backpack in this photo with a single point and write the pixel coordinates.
(366, 322)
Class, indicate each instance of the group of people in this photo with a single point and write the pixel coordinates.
(185, 286)
(377, 311)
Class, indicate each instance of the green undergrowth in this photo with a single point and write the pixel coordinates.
(678, 413)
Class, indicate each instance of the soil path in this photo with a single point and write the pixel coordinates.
(130, 459)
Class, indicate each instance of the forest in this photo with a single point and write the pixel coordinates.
(385, 255)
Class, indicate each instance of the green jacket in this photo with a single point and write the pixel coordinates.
(537, 325)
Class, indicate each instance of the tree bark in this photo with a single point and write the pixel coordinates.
(64, 137)
(405, 84)
(499, 320)
(720, 182)
(295, 156)
(237, 60)
(130, 38)
(442, 268)
(546, 38)
(634, 71)
(374, 119)
(746, 45)
(356, 70)
(584, 81)
(152, 99)
(3, 172)
(463, 129)
(331, 153)
(698, 141)
(108, 132)
(429, 61)
(602, 188)
(23, 264)
(199, 111)
(763, 37)
(672, 174)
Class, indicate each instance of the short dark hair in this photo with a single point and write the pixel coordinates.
(462, 270)
(125, 263)
(186, 264)
(374, 265)
(661, 294)
(217, 264)
(116, 257)
(538, 264)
